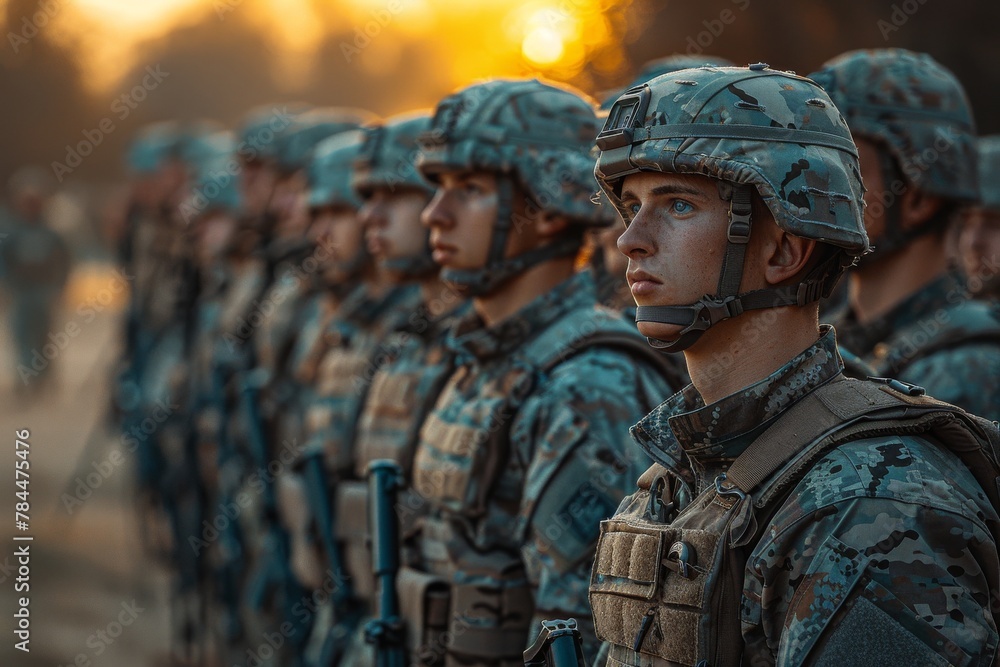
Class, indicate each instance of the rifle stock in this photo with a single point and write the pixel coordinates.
(559, 644)
(385, 632)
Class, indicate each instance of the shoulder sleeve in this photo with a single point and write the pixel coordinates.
(581, 463)
(882, 546)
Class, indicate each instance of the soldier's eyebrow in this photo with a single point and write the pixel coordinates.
(676, 189)
(667, 189)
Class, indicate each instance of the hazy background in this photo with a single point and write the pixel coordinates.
(65, 65)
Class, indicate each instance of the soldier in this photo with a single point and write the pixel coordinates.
(274, 324)
(36, 262)
(523, 451)
(792, 516)
(908, 316)
(193, 463)
(405, 386)
(979, 232)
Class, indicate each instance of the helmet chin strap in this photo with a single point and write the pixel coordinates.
(698, 317)
(500, 269)
(416, 266)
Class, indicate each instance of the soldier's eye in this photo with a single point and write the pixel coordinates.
(680, 207)
(634, 209)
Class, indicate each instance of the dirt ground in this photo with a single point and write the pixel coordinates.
(95, 599)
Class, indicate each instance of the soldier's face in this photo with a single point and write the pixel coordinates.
(391, 219)
(257, 180)
(337, 230)
(876, 189)
(288, 203)
(461, 217)
(979, 248)
(674, 243)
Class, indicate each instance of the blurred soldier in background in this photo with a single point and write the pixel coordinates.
(340, 366)
(979, 228)
(524, 451)
(35, 263)
(207, 221)
(406, 384)
(909, 317)
(272, 325)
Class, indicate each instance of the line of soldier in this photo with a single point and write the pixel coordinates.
(325, 293)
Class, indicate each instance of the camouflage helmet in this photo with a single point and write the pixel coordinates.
(988, 150)
(153, 145)
(214, 187)
(295, 144)
(661, 66)
(388, 160)
(531, 134)
(750, 128)
(260, 131)
(915, 107)
(330, 169)
(329, 175)
(388, 156)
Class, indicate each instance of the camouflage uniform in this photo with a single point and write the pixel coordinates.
(523, 452)
(939, 337)
(856, 546)
(767, 532)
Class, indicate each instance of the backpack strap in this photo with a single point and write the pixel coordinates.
(843, 410)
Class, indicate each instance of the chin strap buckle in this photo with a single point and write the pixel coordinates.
(713, 310)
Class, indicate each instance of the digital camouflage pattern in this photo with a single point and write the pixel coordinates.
(939, 338)
(537, 132)
(330, 169)
(517, 466)
(259, 132)
(884, 541)
(742, 126)
(389, 154)
(660, 66)
(295, 144)
(915, 107)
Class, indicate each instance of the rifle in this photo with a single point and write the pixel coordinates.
(274, 572)
(385, 632)
(314, 472)
(230, 547)
(559, 644)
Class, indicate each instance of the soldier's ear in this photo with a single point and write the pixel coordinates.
(916, 207)
(787, 257)
(551, 224)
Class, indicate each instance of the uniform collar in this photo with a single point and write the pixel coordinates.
(470, 338)
(683, 426)
(362, 310)
(939, 293)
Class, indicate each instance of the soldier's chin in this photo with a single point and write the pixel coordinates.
(666, 332)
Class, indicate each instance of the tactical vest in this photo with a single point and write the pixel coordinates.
(456, 470)
(340, 389)
(669, 593)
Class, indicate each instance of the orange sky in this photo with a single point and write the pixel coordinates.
(482, 36)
